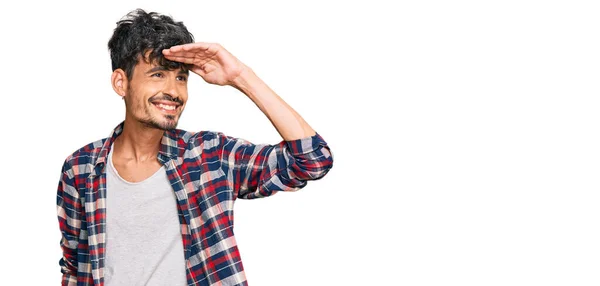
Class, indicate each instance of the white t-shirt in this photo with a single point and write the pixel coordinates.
(143, 243)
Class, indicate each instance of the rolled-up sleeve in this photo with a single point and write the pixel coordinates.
(262, 170)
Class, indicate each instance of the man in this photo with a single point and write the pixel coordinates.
(153, 205)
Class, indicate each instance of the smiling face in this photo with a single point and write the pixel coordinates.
(156, 96)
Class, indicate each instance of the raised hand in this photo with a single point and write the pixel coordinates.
(210, 61)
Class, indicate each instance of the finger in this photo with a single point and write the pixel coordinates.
(185, 54)
(192, 54)
(178, 51)
(200, 46)
(199, 72)
(180, 59)
(190, 47)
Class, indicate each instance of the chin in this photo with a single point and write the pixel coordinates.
(164, 124)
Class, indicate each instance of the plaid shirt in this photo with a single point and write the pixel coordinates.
(207, 171)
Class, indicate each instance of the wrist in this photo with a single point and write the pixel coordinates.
(244, 78)
(247, 82)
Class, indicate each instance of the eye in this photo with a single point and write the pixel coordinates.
(182, 78)
(157, 75)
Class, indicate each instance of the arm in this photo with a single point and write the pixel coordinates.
(287, 121)
(259, 170)
(69, 218)
(217, 66)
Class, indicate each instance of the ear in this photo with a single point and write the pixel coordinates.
(119, 82)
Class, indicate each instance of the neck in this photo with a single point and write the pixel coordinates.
(138, 142)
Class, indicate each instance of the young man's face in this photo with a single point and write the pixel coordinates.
(156, 96)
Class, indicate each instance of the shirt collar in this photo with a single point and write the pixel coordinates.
(168, 145)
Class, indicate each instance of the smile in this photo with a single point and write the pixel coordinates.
(166, 108)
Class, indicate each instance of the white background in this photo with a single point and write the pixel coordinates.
(465, 134)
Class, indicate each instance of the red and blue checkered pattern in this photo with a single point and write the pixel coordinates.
(207, 171)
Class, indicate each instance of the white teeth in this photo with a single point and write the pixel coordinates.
(167, 107)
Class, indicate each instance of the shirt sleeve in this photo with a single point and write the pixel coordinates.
(262, 170)
(69, 219)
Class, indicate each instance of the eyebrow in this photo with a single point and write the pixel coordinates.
(161, 68)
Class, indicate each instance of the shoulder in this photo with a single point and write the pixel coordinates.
(83, 158)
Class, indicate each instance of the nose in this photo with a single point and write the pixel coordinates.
(170, 88)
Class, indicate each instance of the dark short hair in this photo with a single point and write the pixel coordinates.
(139, 32)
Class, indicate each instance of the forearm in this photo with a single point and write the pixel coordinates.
(261, 170)
(287, 121)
